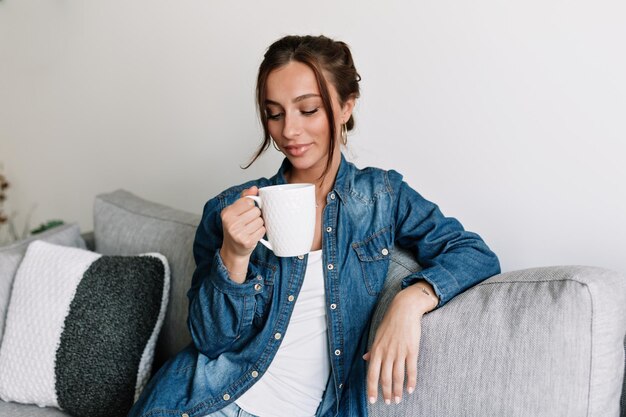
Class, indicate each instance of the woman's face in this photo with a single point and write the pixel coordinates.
(296, 117)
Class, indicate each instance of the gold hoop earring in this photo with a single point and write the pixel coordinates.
(344, 134)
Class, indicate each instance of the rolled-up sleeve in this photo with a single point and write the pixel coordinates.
(452, 258)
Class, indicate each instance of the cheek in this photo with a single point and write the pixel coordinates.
(320, 127)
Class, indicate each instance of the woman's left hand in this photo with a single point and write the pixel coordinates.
(396, 344)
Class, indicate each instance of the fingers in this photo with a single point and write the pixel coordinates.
(254, 190)
(373, 372)
(242, 224)
(243, 211)
(397, 374)
(240, 214)
(392, 380)
(240, 206)
(244, 234)
(388, 370)
(249, 216)
(259, 233)
(390, 374)
(386, 374)
(243, 204)
(411, 372)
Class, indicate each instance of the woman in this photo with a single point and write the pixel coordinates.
(287, 336)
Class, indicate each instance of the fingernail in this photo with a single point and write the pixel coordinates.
(372, 400)
(397, 399)
(387, 401)
(411, 389)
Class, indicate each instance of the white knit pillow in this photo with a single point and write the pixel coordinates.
(81, 329)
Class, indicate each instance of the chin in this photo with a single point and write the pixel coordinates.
(305, 163)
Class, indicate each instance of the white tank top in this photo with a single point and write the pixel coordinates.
(295, 381)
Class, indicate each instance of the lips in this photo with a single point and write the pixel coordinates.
(297, 150)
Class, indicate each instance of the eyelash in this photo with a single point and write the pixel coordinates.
(279, 115)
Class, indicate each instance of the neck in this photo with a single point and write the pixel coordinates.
(324, 184)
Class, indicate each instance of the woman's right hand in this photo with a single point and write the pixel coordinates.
(243, 228)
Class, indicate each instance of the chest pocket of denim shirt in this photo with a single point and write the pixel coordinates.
(373, 253)
(263, 299)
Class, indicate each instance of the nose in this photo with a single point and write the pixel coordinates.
(292, 127)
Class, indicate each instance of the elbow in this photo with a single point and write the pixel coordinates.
(213, 330)
(491, 263)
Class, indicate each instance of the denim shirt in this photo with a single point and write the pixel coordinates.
(237, 328)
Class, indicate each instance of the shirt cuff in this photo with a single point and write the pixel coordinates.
(221, 279)
(444, 284)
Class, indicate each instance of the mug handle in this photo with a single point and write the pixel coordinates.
(260, 204)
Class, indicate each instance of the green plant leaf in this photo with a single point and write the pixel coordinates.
(47, 226)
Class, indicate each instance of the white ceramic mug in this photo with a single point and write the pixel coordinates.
(289, 214)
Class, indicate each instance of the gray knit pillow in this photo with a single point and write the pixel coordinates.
(81, 329)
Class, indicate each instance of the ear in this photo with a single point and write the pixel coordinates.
(346, 109)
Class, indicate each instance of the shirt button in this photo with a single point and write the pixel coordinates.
(277, 336)
(291, 298)
(329, 229)
(333, 306)
(332, 196)
(301, 257)
(385, 252)
(226, 397)
(254, 374)
(258, 287)
(184, 415)
(340, 386)
(330, 267)
(259, 277)
(337, 352)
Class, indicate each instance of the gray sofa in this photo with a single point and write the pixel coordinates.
(535, 342)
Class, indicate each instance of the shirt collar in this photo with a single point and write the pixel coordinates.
(342, 180)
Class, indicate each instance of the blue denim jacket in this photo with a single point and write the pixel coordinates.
(237, 328)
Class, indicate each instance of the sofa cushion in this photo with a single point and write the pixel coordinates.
(81, 329)
(536, 342)
(125, 224)
(11, 256)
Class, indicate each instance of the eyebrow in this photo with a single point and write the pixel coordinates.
(295, 100)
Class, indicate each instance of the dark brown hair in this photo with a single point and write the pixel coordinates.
(322, 55)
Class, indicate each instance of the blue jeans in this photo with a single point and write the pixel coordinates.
(233, 410)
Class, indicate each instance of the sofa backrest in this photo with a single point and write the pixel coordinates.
(125, 224)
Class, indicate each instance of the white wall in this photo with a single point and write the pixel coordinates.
(510, 115)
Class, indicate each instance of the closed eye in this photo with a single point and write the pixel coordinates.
(275, 116)
(310, 112)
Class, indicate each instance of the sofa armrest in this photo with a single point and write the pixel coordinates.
(540, 342)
